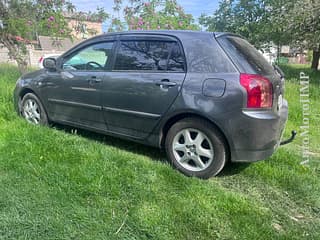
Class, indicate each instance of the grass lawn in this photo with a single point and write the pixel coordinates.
(56, 184)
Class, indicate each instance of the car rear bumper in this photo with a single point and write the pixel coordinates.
(256, 135)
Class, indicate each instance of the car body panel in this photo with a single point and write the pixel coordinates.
(133, 102)
(72, 96)
(132, 105)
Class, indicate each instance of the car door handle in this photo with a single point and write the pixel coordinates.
(165, 83)
(94, 79)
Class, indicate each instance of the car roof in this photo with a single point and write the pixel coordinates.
(180, 34)
(176, 33)
(170, 32)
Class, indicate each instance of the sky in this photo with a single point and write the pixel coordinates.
(194, 7)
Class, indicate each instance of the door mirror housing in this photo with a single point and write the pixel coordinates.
(50, 64)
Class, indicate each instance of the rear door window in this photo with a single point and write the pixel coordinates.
(149, 55)
(245, 56)
(176, 61)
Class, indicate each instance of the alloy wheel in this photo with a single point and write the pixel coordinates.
(192, 149)
(31, 111)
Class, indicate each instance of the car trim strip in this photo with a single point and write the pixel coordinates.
(75, 104)
(140, 114)
(84, 89)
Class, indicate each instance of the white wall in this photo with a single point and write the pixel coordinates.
(33, 56)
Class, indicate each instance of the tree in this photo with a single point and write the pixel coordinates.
(153, 14)
(304, 26)
(295, 22)
(23, 20)
(260, 21)
(116, 24)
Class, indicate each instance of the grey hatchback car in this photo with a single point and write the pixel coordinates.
(205, 97)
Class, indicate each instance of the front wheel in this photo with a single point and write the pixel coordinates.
(32, 110)
(196, 148)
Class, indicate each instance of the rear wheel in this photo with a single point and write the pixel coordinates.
(32, 110)
(196, 148)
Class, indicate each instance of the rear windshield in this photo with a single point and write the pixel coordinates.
(245, 56)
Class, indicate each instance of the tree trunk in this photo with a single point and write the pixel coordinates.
(23, 67)
(16, 52)
(315, 58)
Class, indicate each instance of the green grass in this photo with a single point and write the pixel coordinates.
(59, 185)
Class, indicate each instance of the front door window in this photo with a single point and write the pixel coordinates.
(92, 58)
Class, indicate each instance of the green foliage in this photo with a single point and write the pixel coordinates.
(153, 14)
(304, 26)
(304, 19)
(24, 20)
(309, 56)
(260, 21)
(56, 184)
(270, 21)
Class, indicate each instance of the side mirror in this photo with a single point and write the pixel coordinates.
(50, 64)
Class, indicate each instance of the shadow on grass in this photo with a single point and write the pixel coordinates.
(137, 148)
(126, 145)
(233, 169)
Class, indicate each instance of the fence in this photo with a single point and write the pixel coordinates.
(33, 56)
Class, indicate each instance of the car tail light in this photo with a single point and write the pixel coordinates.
(40, 59)
(259, 90)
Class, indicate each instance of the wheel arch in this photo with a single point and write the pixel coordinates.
(178, 117)
(20, 96)
(25, 91)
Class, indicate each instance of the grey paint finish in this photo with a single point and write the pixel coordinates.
(213, 87)
(137, 92)
(74, 98)
(134, 105)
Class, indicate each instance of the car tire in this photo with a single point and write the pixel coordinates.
(32, 110)
(196, 148)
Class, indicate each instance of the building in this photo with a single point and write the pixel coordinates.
(85, 28)
(47, 45)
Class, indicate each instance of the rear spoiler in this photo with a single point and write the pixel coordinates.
(221, 34)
